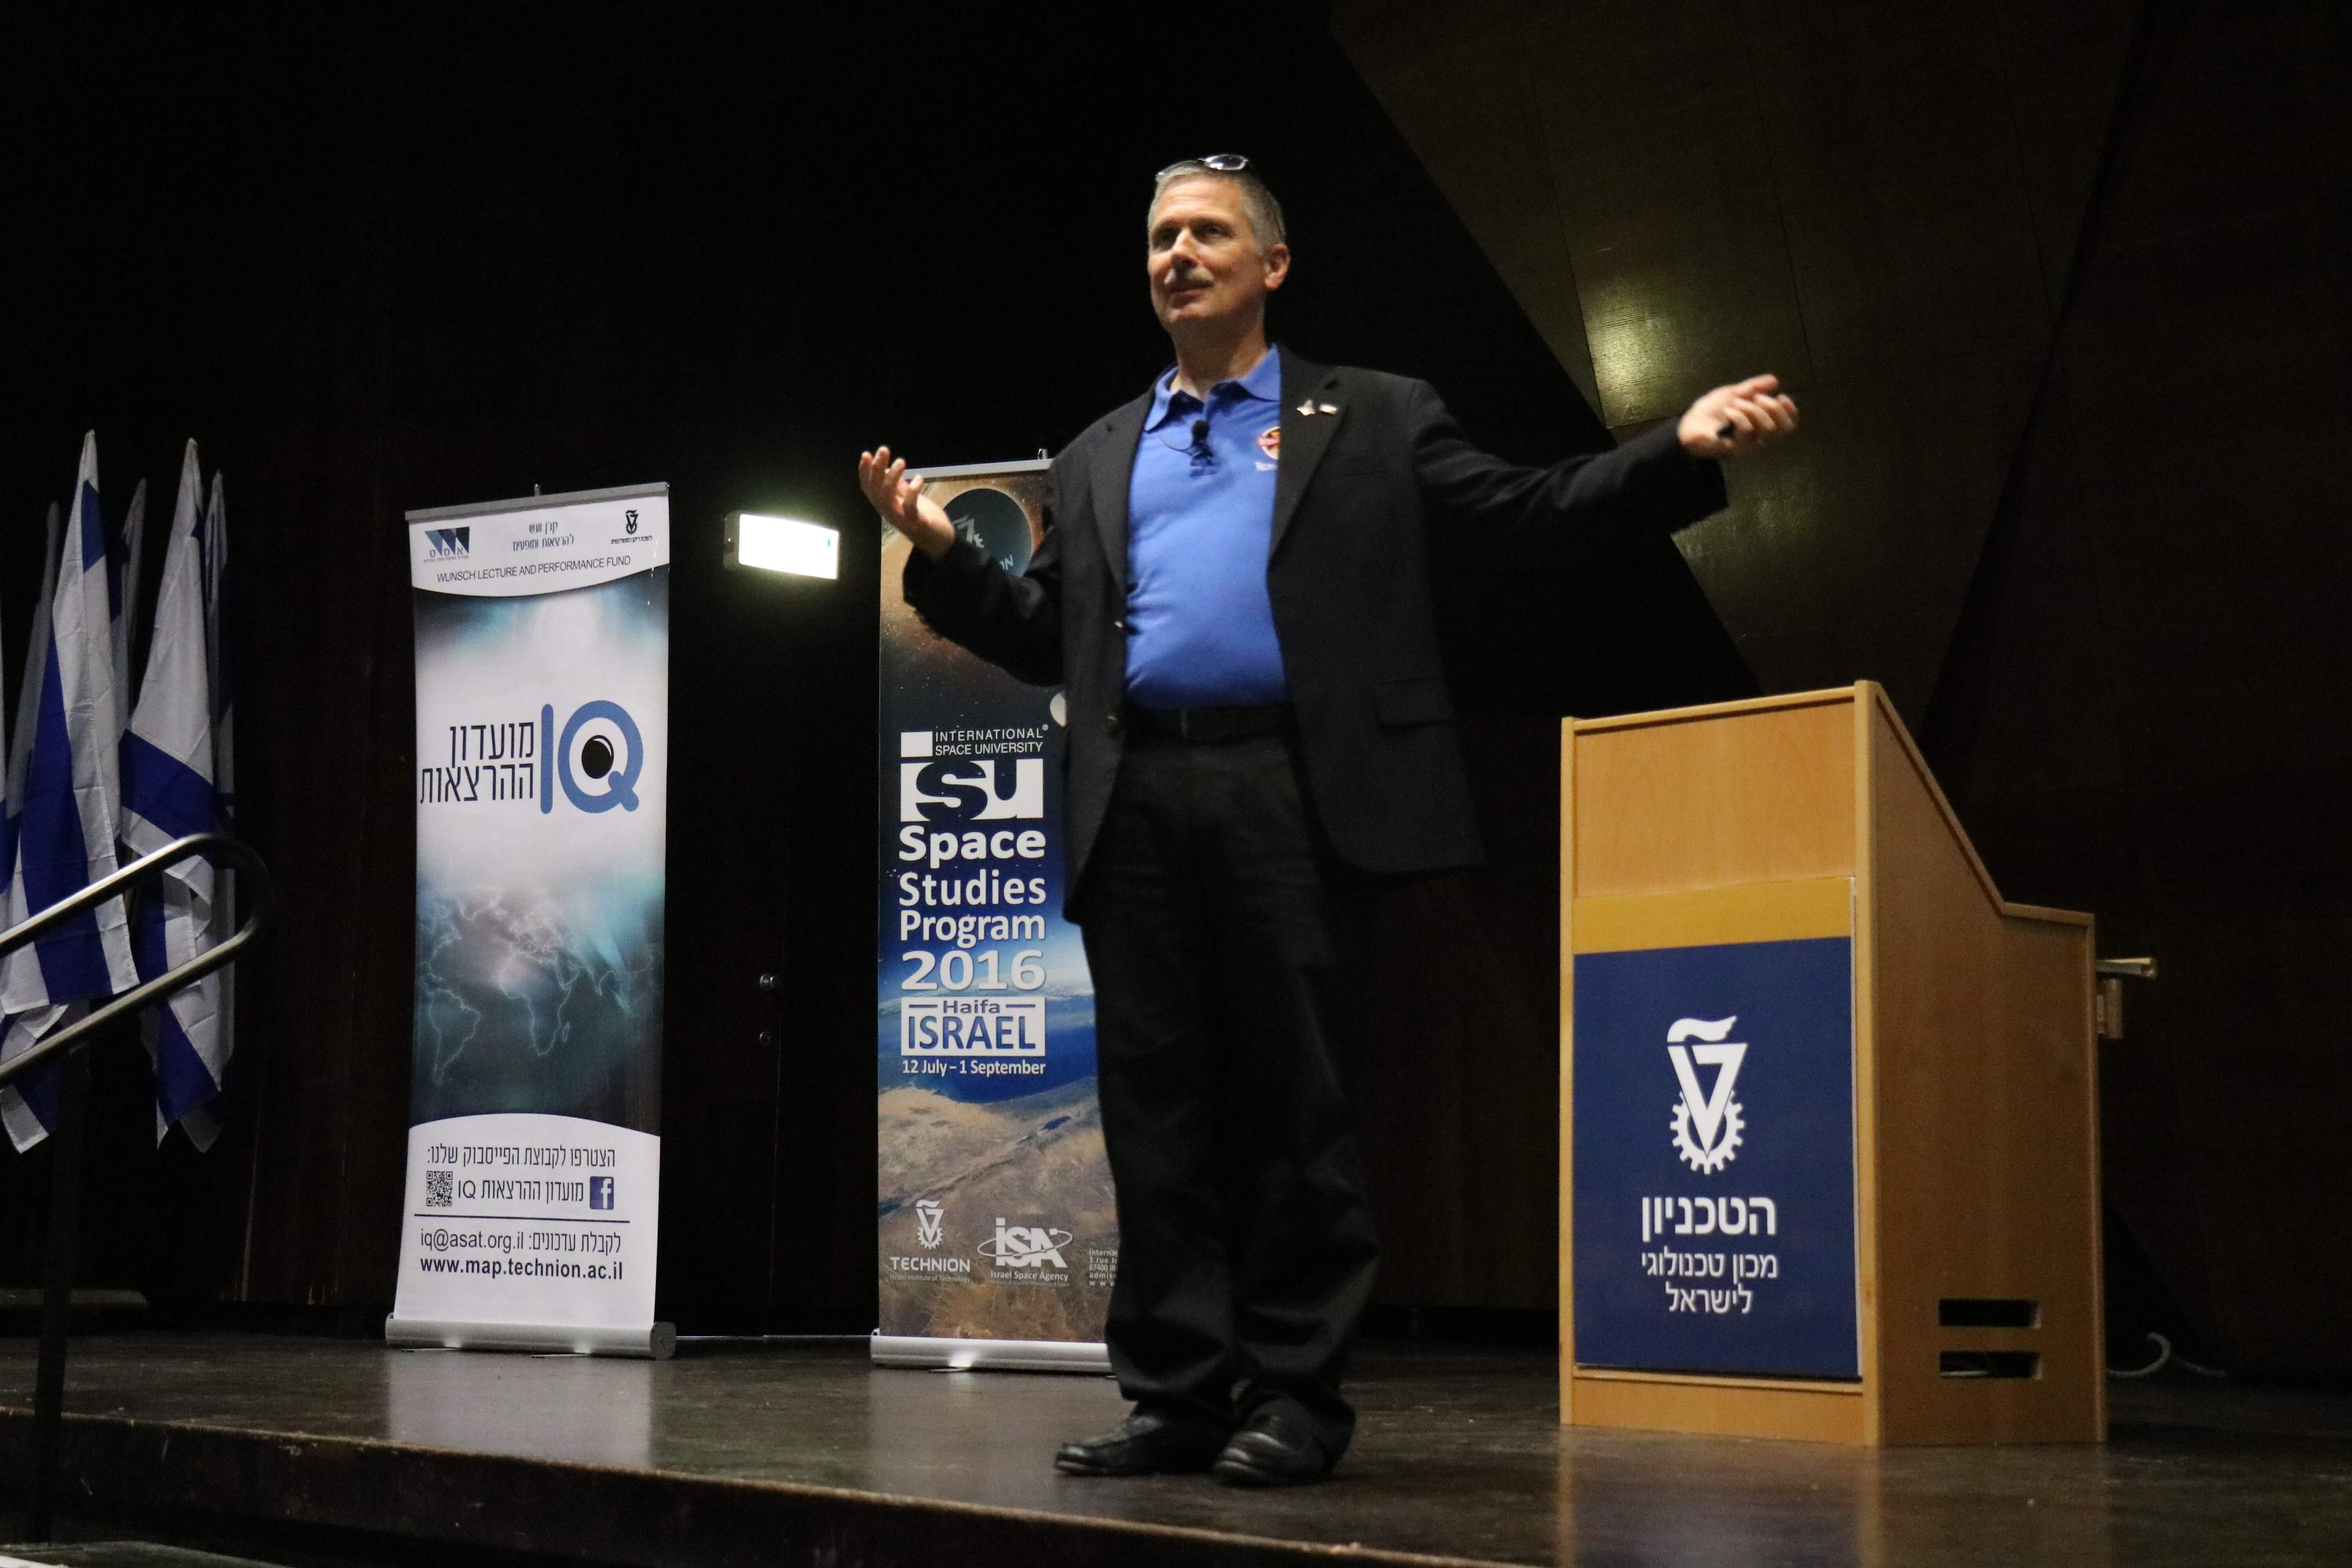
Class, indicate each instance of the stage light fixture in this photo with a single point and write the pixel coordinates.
(782, 544)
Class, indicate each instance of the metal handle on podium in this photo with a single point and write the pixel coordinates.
(67, 1048)
(2107, 1002)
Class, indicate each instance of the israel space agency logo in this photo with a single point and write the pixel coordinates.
(1025, 1246)
(927, 1215)
(448, 543)
(1706, 1125)
(597, 757)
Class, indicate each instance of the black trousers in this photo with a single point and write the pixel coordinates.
(1231, 953)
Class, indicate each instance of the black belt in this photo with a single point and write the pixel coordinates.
(1212, 723)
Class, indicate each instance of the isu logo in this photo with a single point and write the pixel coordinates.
(1706, 1126)
(927, 1223)
(1025, 1246)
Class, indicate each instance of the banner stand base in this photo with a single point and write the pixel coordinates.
(655, 1342)
(989, 1355)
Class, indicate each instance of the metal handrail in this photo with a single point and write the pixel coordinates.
(139, 998)
(66, 1048)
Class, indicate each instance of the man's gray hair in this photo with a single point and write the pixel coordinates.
(1258, 201)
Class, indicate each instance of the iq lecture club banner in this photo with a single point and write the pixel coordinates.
(530, 1215)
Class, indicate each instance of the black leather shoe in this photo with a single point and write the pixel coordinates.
(1149, 1442)
(1272, 1450)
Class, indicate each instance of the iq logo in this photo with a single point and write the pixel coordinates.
(1025, 1246)
(965, 789)
(600, 1191)
(927, 1215)
(1706, 1126)
(599, 744)
(447, 543)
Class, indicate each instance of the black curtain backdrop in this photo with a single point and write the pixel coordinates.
(379, 258)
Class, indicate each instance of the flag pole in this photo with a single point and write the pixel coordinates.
(57, 1295)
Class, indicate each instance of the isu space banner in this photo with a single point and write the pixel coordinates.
(529, 1216)
(998, 1242)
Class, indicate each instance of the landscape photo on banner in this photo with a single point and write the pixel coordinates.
(996, 1219)
(530, 1209)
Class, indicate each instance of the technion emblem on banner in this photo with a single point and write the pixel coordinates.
(533, 1207)
(1706, 1124)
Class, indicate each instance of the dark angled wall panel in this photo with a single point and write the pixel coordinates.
(1863, 199)
(385, 262)
(2145, 710)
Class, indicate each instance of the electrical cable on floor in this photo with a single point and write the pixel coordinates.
(2166, 1356)
(2163, 1356)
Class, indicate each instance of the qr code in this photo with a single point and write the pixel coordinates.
(440, 1189)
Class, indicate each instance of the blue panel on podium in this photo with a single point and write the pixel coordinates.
(1714, 1159)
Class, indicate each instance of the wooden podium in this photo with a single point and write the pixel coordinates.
(1836, 1173)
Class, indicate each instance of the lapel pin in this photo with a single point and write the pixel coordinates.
(1307, 409)
(1327, 408)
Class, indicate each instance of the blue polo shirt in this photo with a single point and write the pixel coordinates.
(1200, 521)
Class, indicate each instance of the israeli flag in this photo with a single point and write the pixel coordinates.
(167, 793)
(28, 702)
(123, 577)
(216, 614)
(67, 831)
(25, 1127)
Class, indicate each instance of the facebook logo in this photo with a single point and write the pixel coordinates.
(600, 1191)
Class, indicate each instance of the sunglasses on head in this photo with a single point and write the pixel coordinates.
(1223, 162)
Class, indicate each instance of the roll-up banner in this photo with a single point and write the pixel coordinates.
(530, 1215)
(998, 1238)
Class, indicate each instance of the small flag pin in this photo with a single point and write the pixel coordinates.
(1327, 408)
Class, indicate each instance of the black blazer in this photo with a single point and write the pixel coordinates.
(1366, 498)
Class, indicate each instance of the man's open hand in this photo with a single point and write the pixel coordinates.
(1733, 421)
(897, 496)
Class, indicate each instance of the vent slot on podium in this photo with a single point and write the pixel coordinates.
(1988, 1363)
(1988, 1312)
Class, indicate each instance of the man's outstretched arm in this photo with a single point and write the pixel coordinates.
(1015, 623)
(1660, 481)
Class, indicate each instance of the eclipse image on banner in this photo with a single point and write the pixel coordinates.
(542, 697)
(1713, 1159)
(996, 1217)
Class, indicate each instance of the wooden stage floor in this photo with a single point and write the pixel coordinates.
(775, 1452)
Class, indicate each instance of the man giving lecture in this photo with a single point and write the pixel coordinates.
(1234, 587)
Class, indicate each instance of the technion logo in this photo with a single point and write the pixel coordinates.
(1706, 1126)
(447, 543)
(1025, 1246)
(599, 744)
(927, 1215)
